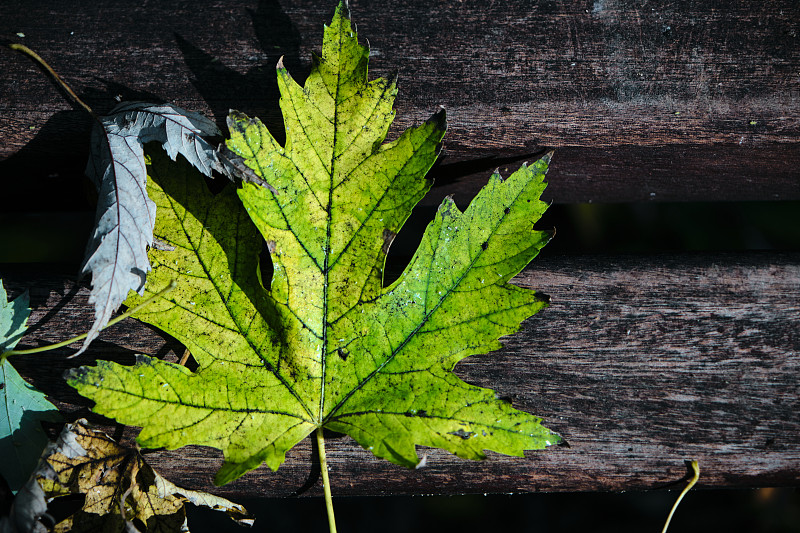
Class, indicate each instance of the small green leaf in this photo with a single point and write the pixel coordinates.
(326, 344)
(22, 407)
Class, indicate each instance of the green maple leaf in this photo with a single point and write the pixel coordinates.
(326, 345)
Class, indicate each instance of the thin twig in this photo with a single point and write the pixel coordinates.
(695, 477)
(33, 55)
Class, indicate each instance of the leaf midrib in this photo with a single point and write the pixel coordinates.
(327, 250)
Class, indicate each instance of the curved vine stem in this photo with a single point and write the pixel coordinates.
(695, 477)
(82, 336)
(61, 83)
(323, 464)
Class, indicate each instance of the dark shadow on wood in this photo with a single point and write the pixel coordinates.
(315, 473)
(45, 371)
(171, 344)
(66, 299)
(256, 92)
(448, 170)
(50, 168)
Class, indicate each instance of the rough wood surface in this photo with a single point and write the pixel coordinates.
(639, 363)
(683, 100)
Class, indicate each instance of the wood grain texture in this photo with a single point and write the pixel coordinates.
(640, 363)
(683, 100)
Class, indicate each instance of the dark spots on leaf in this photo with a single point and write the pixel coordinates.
(76, 374)
(2, 386)
(439, 119)
(507, 210)
(342, 353)
(463, 434)
(143, 360)
(484, 245)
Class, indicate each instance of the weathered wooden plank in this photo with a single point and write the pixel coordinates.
(671, 173)
(688, 100)
(639, 362)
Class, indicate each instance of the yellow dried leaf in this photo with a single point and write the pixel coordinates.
(123, 493)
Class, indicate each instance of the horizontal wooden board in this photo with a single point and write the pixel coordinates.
(686, 100)
(640, 363)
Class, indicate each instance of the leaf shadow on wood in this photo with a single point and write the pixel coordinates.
(54, 310)
(45, 371)
(256, 92)
(449, 170)
(53, 162)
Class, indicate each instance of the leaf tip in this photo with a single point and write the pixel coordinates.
(448, 205)
(235, 120)
(75, 376)
(343, 9)
(93, 333)
(554, 439)
(439, 119)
